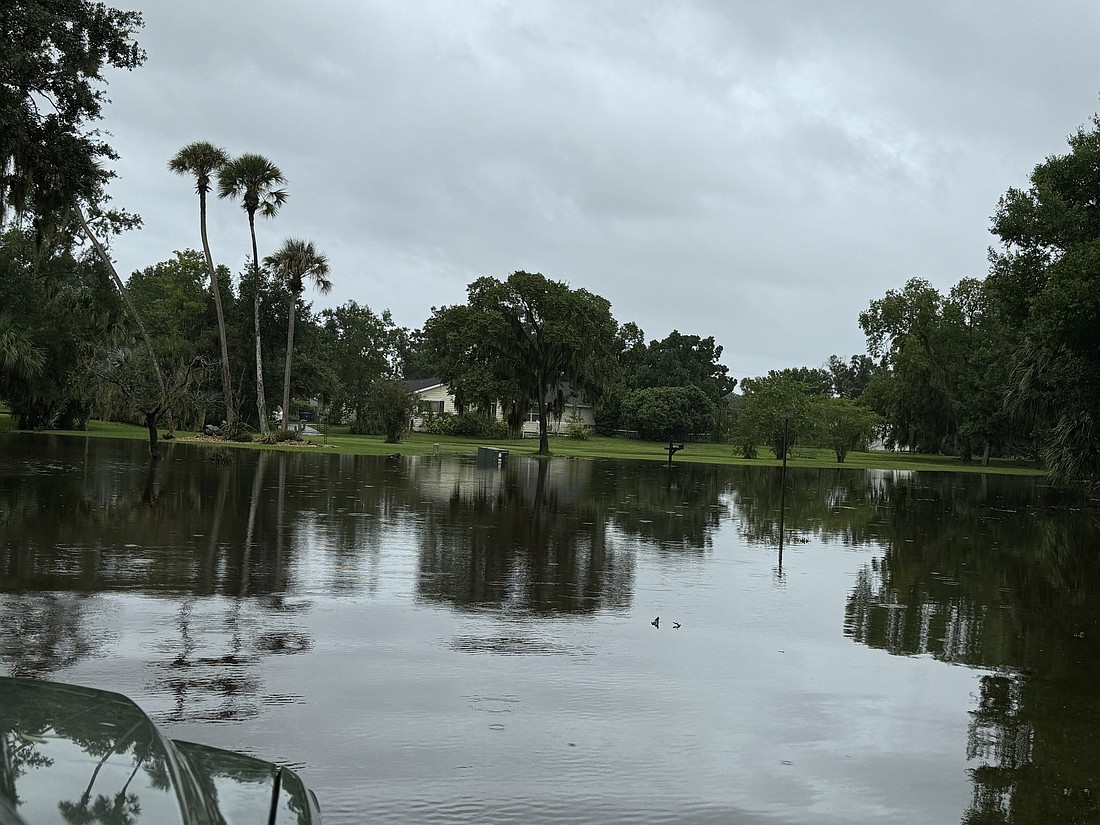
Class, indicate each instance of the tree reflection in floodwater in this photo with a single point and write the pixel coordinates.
(1003, 577)
(990, 572)
(524, 537)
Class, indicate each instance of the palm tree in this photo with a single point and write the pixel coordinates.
(19, 357)
(202, 159)
(294, 263)
(256, 181)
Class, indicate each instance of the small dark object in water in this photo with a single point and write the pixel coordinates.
(675, 625)
(394, 455)
(656, 622)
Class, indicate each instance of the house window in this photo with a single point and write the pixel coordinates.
(430, 407)
(533, 414)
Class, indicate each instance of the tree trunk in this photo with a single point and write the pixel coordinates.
(124, 293)
(985, 454)
(261, 401)
(215, 289)
(544, 439)
(151, 417)
(289, 358)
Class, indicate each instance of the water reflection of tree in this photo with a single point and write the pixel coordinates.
(525, 537)
(839, 505)
(676, 508)
(115, 523)
(104, 728)
(224, 684)
(43, 633)
(185, 528)
(988, 575)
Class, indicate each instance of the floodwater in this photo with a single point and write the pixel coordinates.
(427, 640)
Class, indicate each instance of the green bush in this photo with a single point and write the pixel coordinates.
(470, 425)
(436, 423)
(576, 431)
(477, 425)
(280, 437)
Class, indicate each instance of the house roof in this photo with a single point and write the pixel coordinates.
(421, 384)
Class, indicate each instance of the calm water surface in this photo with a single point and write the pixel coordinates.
(431, 641)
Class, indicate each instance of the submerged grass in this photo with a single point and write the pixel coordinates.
(339, 440)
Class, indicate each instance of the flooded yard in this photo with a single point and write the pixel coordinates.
(427, 640)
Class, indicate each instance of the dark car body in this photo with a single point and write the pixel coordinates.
(74, 754)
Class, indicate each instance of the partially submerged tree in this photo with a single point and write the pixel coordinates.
(121, 370)
(257, 183)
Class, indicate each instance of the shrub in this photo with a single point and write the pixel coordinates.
(471, 425)
(280, 437)
(478, 425)
(437, 423)
(576, 431)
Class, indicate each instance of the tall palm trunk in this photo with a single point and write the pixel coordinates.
(215, 289)
(151, 416)
(261, 400)
(289, 358)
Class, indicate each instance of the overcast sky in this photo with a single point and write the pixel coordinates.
(754, 171)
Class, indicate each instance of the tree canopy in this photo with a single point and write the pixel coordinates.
(51, 90)
(529, 336)
(1044, 286)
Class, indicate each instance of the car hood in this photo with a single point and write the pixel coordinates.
(74, 754)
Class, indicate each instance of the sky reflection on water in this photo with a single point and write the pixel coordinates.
(429, 640)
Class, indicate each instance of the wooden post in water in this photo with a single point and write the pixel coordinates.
(786, 416)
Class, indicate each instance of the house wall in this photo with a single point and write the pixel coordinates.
(556, 426)
(439, 394)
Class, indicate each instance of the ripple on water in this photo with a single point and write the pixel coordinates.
(514, 646)
(450, 808)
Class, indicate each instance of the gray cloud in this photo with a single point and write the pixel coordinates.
(756, 172)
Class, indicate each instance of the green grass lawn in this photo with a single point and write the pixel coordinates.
(341, 441)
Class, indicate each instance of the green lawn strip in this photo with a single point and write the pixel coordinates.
(342, 442)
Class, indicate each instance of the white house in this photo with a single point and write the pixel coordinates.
(434, 397)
